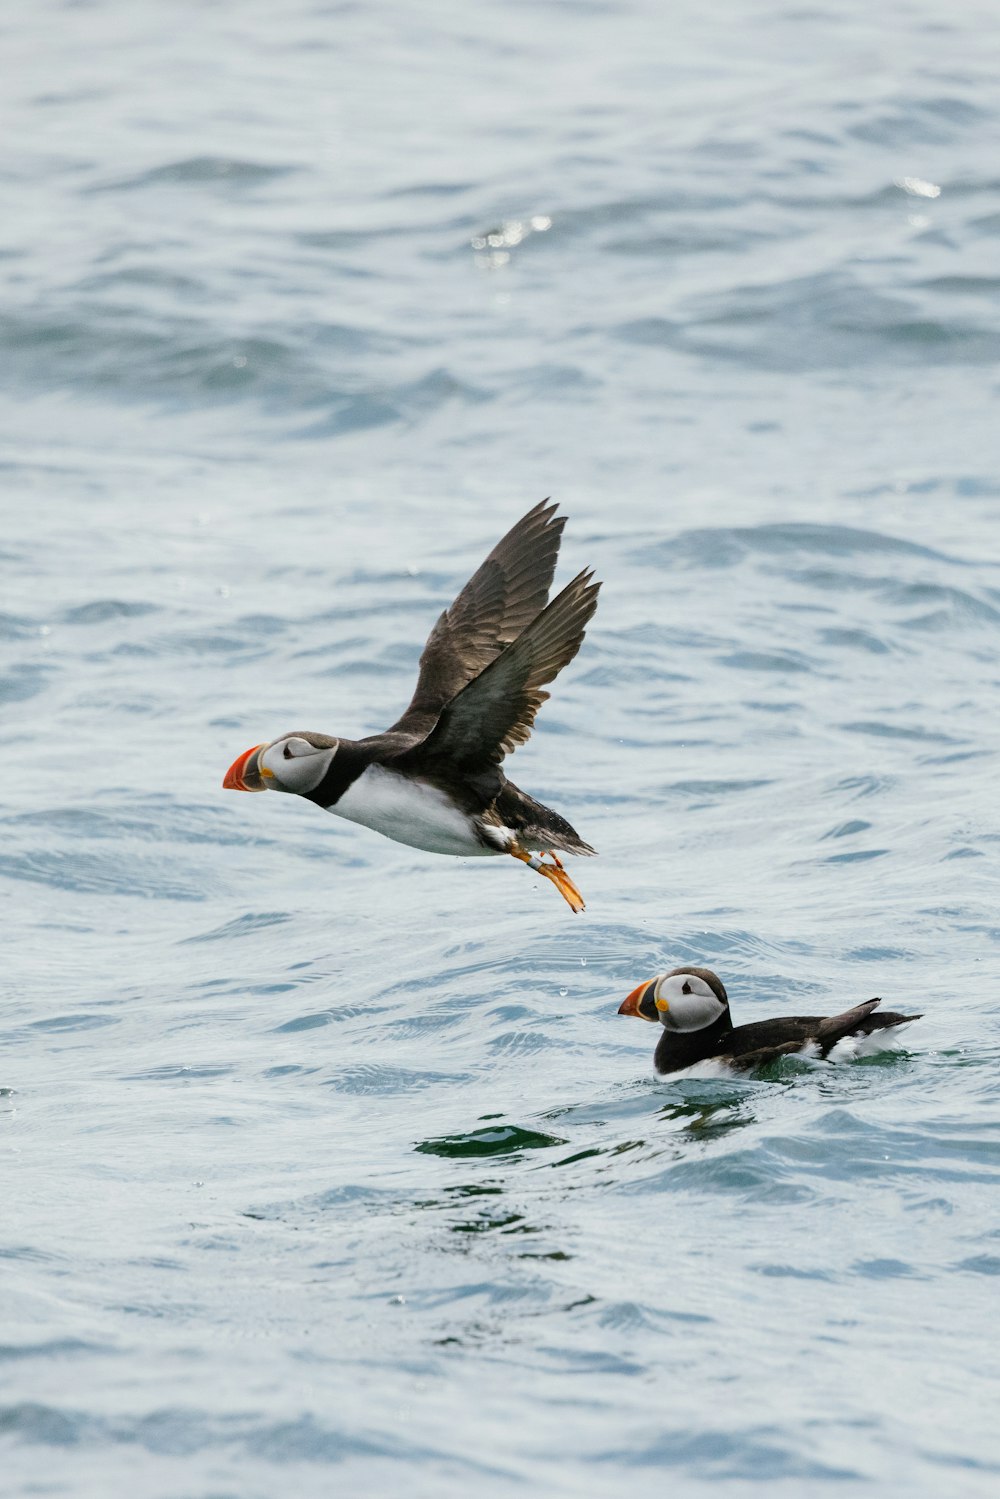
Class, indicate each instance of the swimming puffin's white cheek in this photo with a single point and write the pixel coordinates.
(687, 1011)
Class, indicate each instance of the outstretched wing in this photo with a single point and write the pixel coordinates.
(495, 712)
(499, 600)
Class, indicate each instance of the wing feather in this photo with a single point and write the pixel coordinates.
(495, 712)
(501, 598)
(835, 1027)
(746, 1061)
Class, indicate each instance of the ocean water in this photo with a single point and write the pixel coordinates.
(328, 1165)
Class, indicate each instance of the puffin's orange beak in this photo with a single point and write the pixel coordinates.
(630, 1006)
(242, 775)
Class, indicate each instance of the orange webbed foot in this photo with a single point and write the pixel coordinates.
(554, 872)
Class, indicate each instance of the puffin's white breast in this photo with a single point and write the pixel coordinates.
(409, 811)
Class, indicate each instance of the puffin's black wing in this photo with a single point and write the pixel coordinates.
(496, 711)
(500, 599)
(835, 1027)
(860, 1021)
(791, 1033)
(748, 1060)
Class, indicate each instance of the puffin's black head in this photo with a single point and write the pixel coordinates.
(685, 999)
(295, 762)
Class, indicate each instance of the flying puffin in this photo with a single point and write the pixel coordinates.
(692, 1006)
(434, 779)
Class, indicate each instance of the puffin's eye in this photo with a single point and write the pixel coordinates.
(287, 753)
(685, 987)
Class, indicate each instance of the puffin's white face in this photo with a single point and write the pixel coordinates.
(681, 1000)
(296, 763)
(685, 1002)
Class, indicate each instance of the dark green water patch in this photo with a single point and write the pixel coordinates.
(508, 1223)
(507, 1139)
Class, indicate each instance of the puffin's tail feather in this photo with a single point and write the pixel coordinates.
(536, 826)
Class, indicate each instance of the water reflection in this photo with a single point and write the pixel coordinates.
(479, 1213)
(703, 1120)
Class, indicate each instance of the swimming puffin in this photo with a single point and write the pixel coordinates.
(434, 779)
(692, 1006)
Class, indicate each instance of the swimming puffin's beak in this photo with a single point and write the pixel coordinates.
(243, 774)
(631, 1005)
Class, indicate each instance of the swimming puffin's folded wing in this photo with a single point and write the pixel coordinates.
(747, 1061)
(835, 1027)
(496, 711)
(803, 1032)
(500, 599)
(860, 1021)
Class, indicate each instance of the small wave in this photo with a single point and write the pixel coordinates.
(15, 627)
(829, 320)
(855, 639)
(917, 121)
(240, 926)
(200, 171)
(381, 1079)
(725, 545)
(155, 819)
(82, 1022)
(848, 829)
(23, 683)
(98, 611)
(139, 356)
(787, 661)
(857, 856)
(139, 877)
(744, 1454)
(310, 1022)
(55, 1348)
(882, 730)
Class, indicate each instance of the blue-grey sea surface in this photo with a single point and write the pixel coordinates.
(329, 1167)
